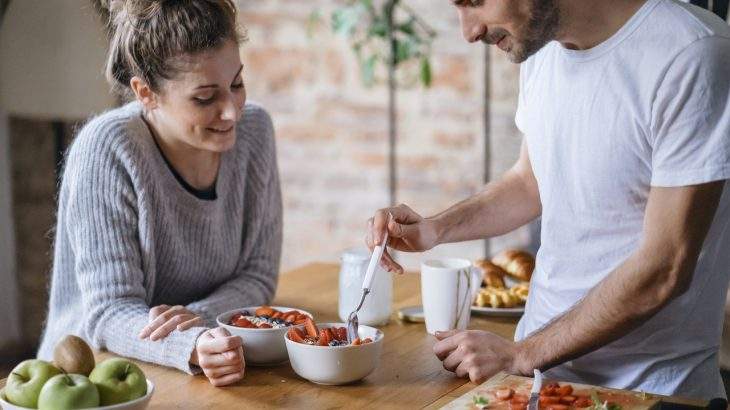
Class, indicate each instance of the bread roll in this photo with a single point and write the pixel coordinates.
(492, 275)
(518, 264)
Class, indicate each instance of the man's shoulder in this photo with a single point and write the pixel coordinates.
(676, 25)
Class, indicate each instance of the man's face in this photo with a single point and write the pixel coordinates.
(518, 27)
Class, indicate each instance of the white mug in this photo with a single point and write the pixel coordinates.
(448, 287)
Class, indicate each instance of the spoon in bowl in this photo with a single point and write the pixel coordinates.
(352, 321)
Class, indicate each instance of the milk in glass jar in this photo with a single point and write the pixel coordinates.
(378, 303)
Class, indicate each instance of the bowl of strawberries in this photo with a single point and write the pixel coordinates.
(262, 329)
(323, 355)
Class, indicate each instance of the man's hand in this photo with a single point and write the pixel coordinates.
(163, 319)
(477, 354)
(407, 231)
(220, 355)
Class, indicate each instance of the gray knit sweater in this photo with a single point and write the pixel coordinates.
(130, 237)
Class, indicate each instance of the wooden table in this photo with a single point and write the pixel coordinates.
(409, 375)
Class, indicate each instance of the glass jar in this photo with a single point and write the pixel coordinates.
(378, 304)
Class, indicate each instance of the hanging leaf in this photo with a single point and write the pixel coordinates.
(405, 49)
(366, 24)
(425, 71)
(368, 70)
(346, 19)
(312, 22)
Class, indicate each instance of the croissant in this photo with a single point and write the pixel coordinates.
(518, 264)
(492, 275)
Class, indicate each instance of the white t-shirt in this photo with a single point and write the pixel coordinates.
(650, 106)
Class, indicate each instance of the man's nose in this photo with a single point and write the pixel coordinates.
(474, 32)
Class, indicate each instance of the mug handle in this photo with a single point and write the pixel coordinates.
(471, 291)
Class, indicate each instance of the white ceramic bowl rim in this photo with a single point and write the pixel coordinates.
(119, 406)
(230, 313)
(378, 337)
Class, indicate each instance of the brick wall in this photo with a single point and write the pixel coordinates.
(332, 131)
(332, 141)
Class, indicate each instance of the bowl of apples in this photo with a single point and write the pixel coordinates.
(75, 381)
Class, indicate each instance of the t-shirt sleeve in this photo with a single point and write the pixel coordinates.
(690, 128)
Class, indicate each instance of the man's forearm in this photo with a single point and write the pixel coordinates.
(501, 207)
(676, 223)
(629, 296)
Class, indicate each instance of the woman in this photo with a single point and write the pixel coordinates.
(170, 207)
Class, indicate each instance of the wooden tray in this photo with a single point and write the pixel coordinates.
(628, 400)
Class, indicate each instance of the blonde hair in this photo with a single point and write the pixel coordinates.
(147, 37)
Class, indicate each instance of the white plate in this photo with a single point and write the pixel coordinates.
(136, 404)
(506, 312)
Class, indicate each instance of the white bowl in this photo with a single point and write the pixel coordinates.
(261, 347)
(136, 404)
(336, 364)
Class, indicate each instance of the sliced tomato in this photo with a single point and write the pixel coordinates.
(567, 399)
(520, 398)
(582, 402)
(504, 394)
(547, 400)
(565, 390)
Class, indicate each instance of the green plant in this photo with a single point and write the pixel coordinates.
(388, 33)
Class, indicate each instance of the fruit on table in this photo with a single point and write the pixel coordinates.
(73, 355)
(331, 336)
(266, 317)
(118, 381)
(68, 391)
(26, 381)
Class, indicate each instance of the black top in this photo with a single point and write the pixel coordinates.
(204, 194)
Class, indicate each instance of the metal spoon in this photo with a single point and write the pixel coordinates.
(352, 321)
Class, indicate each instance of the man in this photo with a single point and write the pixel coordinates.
(625, 108)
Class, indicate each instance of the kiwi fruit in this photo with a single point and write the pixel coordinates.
(73, 355)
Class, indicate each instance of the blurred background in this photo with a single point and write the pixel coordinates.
(339, 162)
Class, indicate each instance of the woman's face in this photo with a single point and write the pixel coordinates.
(201, 105)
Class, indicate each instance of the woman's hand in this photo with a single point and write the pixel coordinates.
(220, 355)
(163, 319)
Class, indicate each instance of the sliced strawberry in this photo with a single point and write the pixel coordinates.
(311, 328)
(295, 335)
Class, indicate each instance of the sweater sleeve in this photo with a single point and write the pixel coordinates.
(255, 278)
(102, 228)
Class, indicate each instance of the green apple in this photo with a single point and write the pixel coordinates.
(119, 381)
(68, 391)
(26, 380)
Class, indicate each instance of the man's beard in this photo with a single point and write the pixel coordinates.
(540, 29)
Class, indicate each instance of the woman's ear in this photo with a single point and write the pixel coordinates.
(143, 92)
